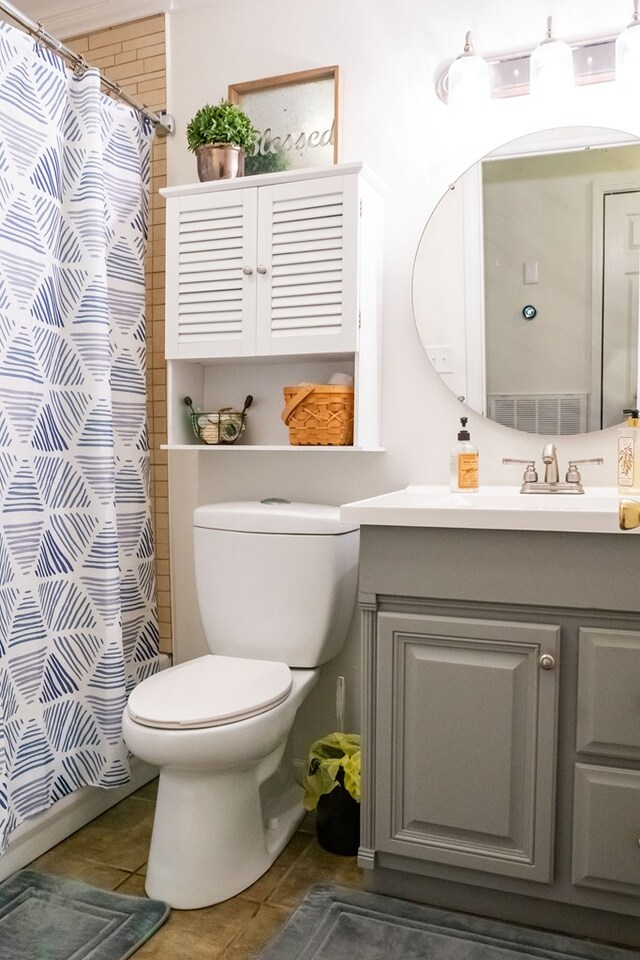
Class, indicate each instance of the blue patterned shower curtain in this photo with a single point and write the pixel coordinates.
(78, 624)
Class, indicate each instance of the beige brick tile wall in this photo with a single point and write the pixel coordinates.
(133, 55)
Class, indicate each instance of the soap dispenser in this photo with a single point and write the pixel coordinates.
(464, 463)
(629, 455)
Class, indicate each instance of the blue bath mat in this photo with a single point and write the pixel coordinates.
(332, 923)
(43, 917)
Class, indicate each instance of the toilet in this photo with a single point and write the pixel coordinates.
(276, 584)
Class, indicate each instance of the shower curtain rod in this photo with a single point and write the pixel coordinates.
(162, 122)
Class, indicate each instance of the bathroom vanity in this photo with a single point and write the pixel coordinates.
(501, 722)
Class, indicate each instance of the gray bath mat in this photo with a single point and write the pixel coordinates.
(332, 923)
(43, 917)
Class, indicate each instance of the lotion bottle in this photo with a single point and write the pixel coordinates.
(464, 463)
(629, 455)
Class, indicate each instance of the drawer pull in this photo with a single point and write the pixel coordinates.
(546, 661)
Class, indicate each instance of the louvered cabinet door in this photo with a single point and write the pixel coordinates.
(211, 300)
(307, 283)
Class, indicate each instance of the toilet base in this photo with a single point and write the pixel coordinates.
(215, 833)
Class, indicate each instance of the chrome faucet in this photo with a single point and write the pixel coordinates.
(551, 483)
(550, 460)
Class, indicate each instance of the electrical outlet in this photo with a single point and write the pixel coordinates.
(441, 358)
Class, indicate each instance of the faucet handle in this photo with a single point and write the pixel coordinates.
(530, 473)
(573, 474)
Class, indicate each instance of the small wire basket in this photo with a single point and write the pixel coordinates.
(224, 426)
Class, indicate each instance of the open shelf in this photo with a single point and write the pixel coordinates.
(214, 385)
(253, 447)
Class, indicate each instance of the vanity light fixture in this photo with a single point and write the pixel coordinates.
(468, 78)
(627, 53)
(551, 67)
(593, 62)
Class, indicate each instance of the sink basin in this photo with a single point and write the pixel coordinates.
(491, 508)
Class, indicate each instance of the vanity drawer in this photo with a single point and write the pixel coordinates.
(606, 828)
(609, 693)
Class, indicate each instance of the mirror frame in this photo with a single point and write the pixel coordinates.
(467, 140)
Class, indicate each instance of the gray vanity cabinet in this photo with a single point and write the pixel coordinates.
(501, 725)
(471, 735)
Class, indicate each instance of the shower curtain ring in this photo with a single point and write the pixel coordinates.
(81, 65)
(39, 33)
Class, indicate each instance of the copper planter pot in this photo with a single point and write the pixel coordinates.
(219, 161)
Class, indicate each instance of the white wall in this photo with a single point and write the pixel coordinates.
(390, 55)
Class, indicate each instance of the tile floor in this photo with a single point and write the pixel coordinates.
(111, 852)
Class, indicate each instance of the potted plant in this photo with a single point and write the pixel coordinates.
(332, 789)
(220, 136)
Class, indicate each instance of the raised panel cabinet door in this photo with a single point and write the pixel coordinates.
(466, 742)
(609, 693)
(307, 282)
(211, 279)
(606, 828)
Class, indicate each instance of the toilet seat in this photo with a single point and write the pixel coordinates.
(209, 691)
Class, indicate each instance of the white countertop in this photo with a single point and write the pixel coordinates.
(491, 508)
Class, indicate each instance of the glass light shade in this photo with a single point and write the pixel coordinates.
(468, 79)
(628, 56)
(551, 67)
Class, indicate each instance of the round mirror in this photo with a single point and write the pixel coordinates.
(525, 282)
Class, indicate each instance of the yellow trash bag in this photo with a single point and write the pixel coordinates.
(333, 760)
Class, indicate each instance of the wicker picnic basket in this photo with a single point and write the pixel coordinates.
(319, 414)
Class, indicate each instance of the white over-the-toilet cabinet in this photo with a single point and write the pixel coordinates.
(273, 280)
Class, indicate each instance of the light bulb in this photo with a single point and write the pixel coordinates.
(468, 79)
(628, 53)
(551, 67)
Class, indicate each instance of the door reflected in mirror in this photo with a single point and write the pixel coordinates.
(525, 284)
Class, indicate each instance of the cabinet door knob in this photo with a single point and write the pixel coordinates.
(546, 661)
(262, 269)
(247, 271)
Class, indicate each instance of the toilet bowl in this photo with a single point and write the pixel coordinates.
(276, 590)
(213, 834)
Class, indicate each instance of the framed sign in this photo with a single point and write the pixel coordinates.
(296, 117)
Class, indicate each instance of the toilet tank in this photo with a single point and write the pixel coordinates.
(275, 580)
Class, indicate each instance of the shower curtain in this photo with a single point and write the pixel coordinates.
(78, 624)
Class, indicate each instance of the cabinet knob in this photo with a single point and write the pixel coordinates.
(546, 661)
(247, 271)
(262, 269)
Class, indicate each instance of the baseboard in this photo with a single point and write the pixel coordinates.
(42, 832)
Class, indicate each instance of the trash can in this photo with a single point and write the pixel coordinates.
(332, 789)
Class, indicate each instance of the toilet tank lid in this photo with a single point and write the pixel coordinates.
(272, 516)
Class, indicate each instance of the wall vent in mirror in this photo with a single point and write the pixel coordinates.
(544, 414)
